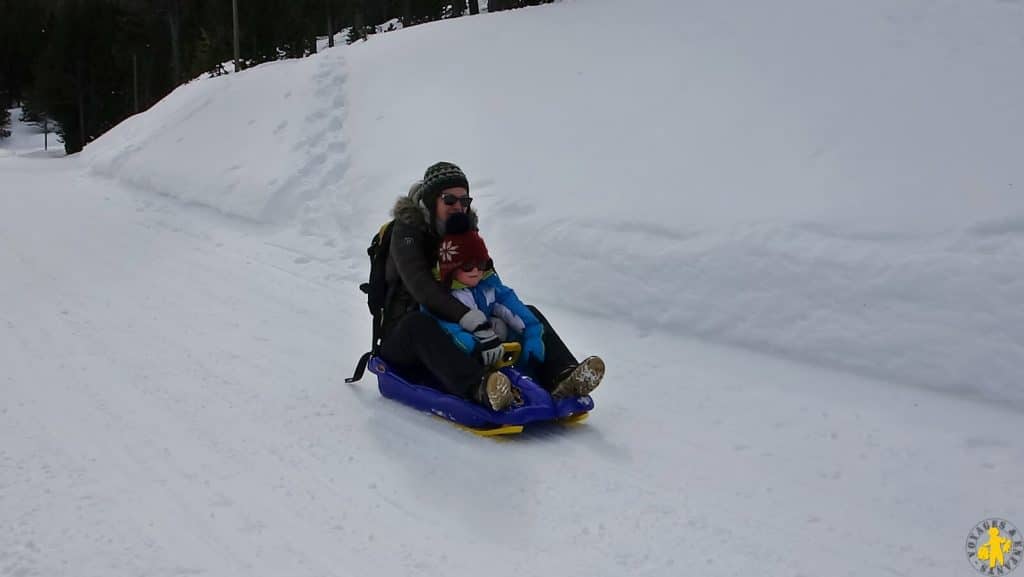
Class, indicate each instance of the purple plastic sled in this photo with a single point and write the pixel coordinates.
(537, 403)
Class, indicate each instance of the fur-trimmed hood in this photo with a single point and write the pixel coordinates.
(410, 211)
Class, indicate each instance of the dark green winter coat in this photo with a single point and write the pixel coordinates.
(415, 239)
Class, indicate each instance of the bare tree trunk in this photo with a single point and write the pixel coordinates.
(407, 13)
(330, 24)
(358, 21)
(474, 6)
(458, 7)
(174, 21)
(234, 17)
(81, 106)
(135, 83)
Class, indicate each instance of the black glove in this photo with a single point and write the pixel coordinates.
(488, 345)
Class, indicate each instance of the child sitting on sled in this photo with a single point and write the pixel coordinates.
(466, 269)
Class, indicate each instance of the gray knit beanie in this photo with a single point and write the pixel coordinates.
(438, 177)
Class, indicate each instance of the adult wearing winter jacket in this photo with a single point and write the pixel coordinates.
(413, 341)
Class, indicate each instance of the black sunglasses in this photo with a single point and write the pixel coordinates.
(471, 266)
(451, 199)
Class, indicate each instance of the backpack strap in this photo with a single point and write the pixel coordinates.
(378, 325)
(360, 368)
(379, 248)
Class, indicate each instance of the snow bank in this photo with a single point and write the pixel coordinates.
(830, 181)
(257, 145)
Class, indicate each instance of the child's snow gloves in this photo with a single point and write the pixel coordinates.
(532, 339)
(533, 345)
(488, 345)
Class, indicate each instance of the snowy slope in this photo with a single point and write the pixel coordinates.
(823, 183)
(172, 405)
(835, 182)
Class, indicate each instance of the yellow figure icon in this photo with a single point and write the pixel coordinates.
(993, 550)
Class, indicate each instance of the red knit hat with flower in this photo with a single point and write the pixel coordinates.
(460, 246)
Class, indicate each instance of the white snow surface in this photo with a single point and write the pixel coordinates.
(28, 140)
(792, 229)
(835, 182)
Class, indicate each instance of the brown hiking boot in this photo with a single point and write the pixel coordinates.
(582, 380)
(495, 391)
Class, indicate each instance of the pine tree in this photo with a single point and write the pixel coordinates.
(358, 29)
(5, 122)
(207, 37)
(499, 5)
(204, 56)
(31, 112)
(22, 36)
(87, 64)
(84, 75)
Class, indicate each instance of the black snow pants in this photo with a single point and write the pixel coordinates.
(421, 351)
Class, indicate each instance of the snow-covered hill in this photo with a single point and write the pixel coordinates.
(832, 186)
(834, 182)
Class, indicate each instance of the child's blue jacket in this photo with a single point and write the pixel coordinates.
(494, 299)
